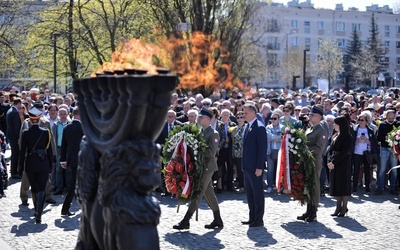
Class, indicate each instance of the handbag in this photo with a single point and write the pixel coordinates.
(369, 156)
(274, 154)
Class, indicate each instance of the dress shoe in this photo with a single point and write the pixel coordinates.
(247, 222)
(337, 211)
(182, 225)
(58, 192)
(67, 213)
(25, 203)
(257, 224)
(51, 201)
(240, 191)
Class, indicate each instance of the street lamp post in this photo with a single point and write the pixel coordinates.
(55, 35)
(304, 67)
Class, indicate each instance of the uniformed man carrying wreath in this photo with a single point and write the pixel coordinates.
(36, 158)
(316, 141)
(211, 137)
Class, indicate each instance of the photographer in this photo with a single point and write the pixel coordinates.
(303, 117)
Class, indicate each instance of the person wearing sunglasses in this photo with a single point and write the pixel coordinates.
(237, 149)
(274, 140)
(287, 117)
(363, 140)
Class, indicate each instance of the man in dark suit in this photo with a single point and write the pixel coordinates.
(253, 162)
(170, 123)
(70, 145)
(13, 130)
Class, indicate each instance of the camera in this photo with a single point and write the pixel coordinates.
(362, 134)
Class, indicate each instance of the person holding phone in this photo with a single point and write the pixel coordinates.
(363, 140)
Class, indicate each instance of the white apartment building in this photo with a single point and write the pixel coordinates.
(296, 27)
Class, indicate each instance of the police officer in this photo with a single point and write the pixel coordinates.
(211, 138)
(36, 160)
(316, 141)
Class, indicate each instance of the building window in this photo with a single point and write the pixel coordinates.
(321, 25)
(340, 26)
(387, 34)
(272, 25)
(398, 44)
(398, 29)
(341, 43)
(293, 24)
(307, 40)
(387, 43)
(398, 60)
(294, 41)
(356, 27)
(307, 30)
(307, 24)
(273, 43)
(387, 27)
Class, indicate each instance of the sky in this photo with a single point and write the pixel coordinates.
(360, 4)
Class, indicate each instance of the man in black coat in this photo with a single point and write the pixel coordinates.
(70, 146)
(4, 107)
(13, 129)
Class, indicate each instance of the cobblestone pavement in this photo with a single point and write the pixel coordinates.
(372, 223)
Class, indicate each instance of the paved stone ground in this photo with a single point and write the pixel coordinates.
(372, 223)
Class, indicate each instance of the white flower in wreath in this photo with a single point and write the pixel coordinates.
(293, 131)
(396, 142)
(298, 140)
(290, 145)
(295, 152)
(296, 147)
(195, 152)
(287, 129)
(393, 133)
(390, 143)
(292, 139)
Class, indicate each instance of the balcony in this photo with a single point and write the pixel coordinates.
(273, 46)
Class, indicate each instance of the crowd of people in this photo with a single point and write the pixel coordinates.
(343, 130)
(346, 133)
(43, 132)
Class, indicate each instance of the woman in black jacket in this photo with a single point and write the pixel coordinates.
(340, 152)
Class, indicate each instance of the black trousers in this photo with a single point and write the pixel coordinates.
(14, 156)
(357, 160)
(71, 181)
(38, 181)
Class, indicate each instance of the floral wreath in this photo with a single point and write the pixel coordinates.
(183, 157)
(296, 168)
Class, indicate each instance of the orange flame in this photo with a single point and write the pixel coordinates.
(199, 60)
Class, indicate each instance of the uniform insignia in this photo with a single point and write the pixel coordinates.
(216, 140)
(323, 137)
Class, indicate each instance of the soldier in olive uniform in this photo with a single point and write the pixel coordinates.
(36, 158)
(316, 141)
(211, 138)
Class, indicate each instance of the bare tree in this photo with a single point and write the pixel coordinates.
(329, 62)
(364, 65)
